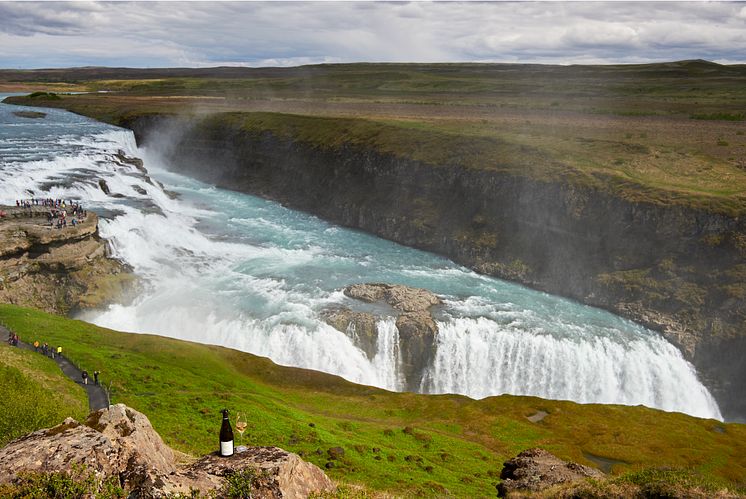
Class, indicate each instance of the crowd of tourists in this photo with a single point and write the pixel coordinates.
(48, 202)
(57, 216)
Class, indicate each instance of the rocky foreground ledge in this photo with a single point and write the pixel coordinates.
(56, 270)
(120, 442)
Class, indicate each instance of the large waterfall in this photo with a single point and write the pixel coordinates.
(226, 268)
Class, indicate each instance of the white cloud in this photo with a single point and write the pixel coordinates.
(283, 33)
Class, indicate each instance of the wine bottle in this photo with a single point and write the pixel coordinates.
(226, 436)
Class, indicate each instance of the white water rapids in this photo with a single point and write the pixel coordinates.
(231, 269)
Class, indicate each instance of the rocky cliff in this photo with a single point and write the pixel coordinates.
(120, 444)
(417, 327)
(56, 270)
(679, 270)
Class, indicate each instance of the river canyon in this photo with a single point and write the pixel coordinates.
(223, 267)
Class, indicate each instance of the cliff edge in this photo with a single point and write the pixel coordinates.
(59, 270)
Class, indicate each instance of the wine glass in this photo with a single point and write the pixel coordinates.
(241, 423)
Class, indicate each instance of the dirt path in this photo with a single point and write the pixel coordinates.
(97, 398)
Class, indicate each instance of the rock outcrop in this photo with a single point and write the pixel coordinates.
(275, 473)
(534, 470)
(120, 442)
(359, 326)
(111, 441)
(136, 162)
(57, 270)
(416, 326)
(403, 298)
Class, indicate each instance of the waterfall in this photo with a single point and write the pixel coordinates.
(387, 360)
(225, 268)
(477, 357)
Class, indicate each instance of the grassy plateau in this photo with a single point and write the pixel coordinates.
(396, 443)
(662, 133)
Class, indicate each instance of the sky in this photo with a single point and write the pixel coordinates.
(201, 34)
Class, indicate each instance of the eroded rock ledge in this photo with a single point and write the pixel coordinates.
(120, 442)
(534, 470)
(417, 328)
(56, 270)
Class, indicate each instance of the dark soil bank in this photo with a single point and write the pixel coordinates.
(678, 270)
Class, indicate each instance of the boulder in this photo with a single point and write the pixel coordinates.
(133, 434)
(402, 298)
(534, 470)
(136, 162)
(120, 442)
(59, 448)
(417, 328)
(274, 473)
(104, 186)
(111, 441)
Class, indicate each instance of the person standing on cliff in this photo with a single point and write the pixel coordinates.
(95, 377)
(59, 351)
(36, 346)
(84, 374)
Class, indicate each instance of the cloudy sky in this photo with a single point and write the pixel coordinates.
(150, 34)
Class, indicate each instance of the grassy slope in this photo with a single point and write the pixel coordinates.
(34, 394)
(457, 444)
(627, 129)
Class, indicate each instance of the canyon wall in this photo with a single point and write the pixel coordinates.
(678, 270)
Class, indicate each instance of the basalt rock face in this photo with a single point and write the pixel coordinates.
(417, 328)
(120, 442)
(57, 270)
(360, 326)
(675, 269)
(534, 470)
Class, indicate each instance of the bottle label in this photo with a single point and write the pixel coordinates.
(226, 448)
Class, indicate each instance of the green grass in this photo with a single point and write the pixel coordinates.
(34, 394)
(720, 116)
(76, 483)
(44, 96)
(659, 482)
(423, 444)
